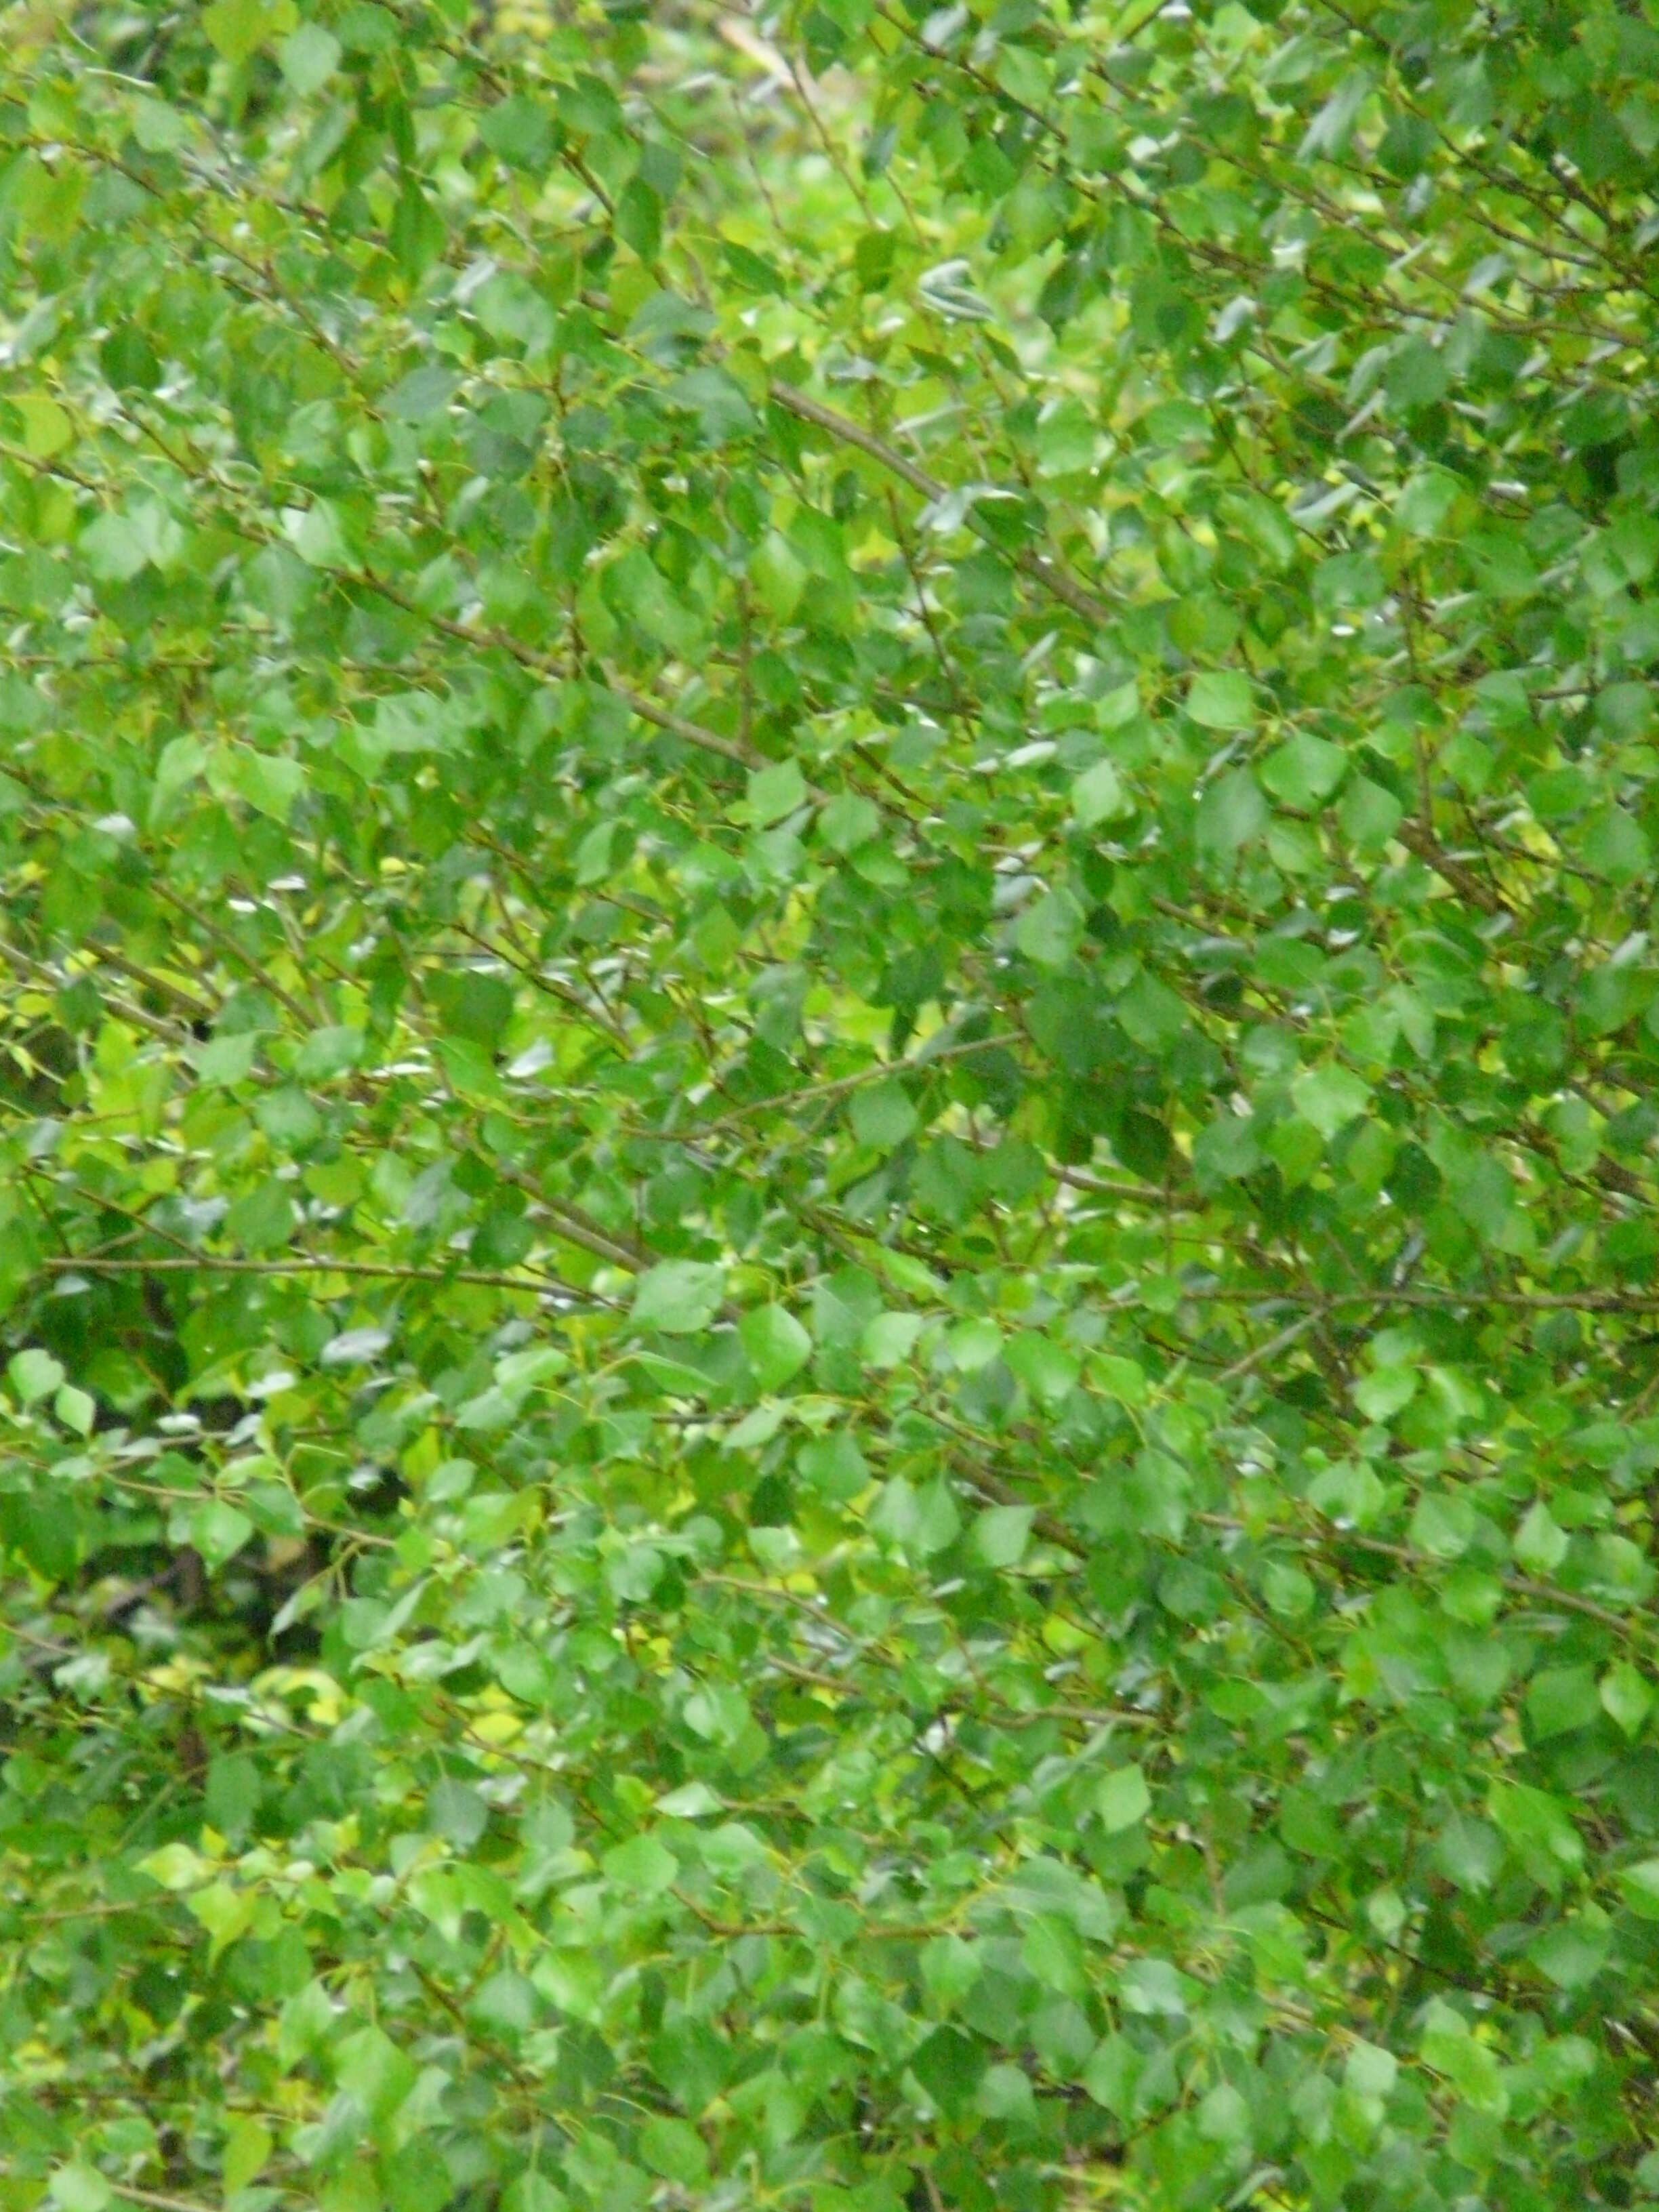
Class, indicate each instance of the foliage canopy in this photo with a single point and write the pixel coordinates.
(827, 1227)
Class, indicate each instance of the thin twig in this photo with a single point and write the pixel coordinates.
(211, 1263)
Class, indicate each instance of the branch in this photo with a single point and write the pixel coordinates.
(782, 1100)
(1521, 1585)
(1057, 581)
(163, 2204)
(209, 1263)
(1633, 1302)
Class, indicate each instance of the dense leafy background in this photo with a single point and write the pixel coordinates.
(829, 1013)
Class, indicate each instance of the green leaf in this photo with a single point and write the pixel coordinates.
(307, 58)
(1303, 772)
(218, 1531)
(1442, 1525)
(1613, 846)
(248, 2146)
(834, 1466)
(1369, 814)
(1539, 1826)
(1471, 2067)
(1330, 1097)
(1098, 795)
(949, 2065)
(1049, 930)
(270, 782)
(1539, 1544)
(472, 1006)
(775, 1344)
(114, 549)
(779, 579)
(1231, 813)
(520, 131)
(922, 1520)
(1425, 501)
(890, 1339)
(640, 595)
(407, 721)
(1571, 1955)
(1112, 2074)
(238, 28)
(371, 2068)
(639, 220)
(1121, 1798)
(1001, 1534)
(1626, 1696)
(533, 2192)
(675, 2150)
(679, 1296)
(328, 1052)
(883, 1115)
(33, 1375)
(174, 1866)
(1638, 1885)
(227, 1060)
(1045, 1367)
(1560, 1699)
(1221, 701)
(227, 1914)
(1382, 1394)
(775, 792)
(642, 1866)
(47, 428)
(76, 1409)
(1370, 2071)
(78, 2188)
(719, 402)
(262, 1220)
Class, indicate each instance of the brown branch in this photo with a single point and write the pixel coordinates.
(1042, 569)
(209, 1263)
